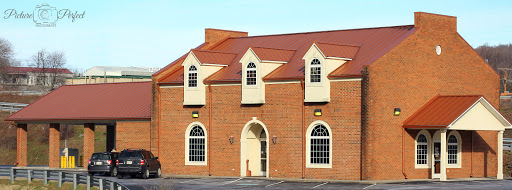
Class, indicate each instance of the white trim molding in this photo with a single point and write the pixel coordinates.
(308, 145)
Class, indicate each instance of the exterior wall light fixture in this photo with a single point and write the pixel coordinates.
(274, 139)
(397, 111)
(318, 112)
(195, 114)
(231, 139)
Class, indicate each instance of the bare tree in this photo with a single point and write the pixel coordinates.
(49, 65)
(6, 57)
(56, 61)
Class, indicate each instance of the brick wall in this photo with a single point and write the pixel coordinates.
(281, 114)
(409, 76)
(133, 134)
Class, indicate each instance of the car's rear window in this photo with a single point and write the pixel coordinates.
(130, 154)
(100, 156)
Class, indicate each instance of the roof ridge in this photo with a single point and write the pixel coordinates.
(273, 48)
(111, 83)
(213, 51)
(337, 44)
(269, 35)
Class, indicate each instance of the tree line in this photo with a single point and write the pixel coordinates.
(498, 57)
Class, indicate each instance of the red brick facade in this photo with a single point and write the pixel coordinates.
(408, 77)
(366, 136)
(88, 142)
(132, 134)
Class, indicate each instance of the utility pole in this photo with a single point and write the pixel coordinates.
(505, 78)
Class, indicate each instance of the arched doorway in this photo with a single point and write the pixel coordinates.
(254, 149)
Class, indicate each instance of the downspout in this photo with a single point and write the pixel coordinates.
(303, 132)
(403, 150)
(471, 175)
(210, 108)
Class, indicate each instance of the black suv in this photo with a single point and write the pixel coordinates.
(138, 161)
(103, 162)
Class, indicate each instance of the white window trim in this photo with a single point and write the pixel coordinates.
(188, 76)
(459, 150)
(247, 69)
(429, 144)
(187, 135)
(308, 145)
(321, 71)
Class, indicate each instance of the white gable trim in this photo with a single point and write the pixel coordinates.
(245, 54)
(323, 55)
(189, 55)
(491, 109)
(309, 50)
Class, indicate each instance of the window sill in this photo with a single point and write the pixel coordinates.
(421, 167)
(318, 165)
(195, 163)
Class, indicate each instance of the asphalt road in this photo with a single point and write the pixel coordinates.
(248, 183)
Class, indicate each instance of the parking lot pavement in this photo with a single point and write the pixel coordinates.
(250, 183)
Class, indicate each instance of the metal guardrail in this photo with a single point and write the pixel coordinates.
(61, 177)
(11, 107)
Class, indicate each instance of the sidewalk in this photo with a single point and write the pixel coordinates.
(339, 181)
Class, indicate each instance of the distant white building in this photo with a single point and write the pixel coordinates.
(109, 74)
(36, 76)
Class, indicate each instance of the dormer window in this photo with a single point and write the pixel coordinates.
(251, 74)
(192, 76)
(316, 71)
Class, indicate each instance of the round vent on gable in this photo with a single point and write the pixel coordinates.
(438, 50)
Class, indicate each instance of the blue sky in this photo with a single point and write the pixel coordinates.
(154, 33)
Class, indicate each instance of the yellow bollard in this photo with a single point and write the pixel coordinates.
(71, 162)
(63, 162)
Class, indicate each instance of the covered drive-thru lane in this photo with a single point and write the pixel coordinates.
(85, 105)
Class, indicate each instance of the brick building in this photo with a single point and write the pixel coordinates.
(412, 101)
(257, 99)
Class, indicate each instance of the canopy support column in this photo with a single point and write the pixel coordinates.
(88, 142)
(54, 145)
(21, 147)
(444, 155)
(500, 155)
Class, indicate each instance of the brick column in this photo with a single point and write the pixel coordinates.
(21, 145)
(54, 143)
(88, 142)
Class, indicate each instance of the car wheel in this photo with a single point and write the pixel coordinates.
(119, 176)
(91, 173)
(114, 172)
(133, 176)
(158, 173)
(146, 174)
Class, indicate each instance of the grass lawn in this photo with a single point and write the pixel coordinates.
(37, 184)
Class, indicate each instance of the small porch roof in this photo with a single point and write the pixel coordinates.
(470, 112)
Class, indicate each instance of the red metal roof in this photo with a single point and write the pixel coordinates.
(213, 57)
(373, 43)
(12, 70)
(441, 111)
(336, 50)
(269, 54)
(108, 101)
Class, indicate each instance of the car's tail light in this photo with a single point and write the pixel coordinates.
(117, 162)
(109, 162)
(142, 162)
(89, 161)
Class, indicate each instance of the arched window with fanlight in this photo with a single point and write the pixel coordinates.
(251, 74)
(422, 149)
(315, 71)
(453, 149)
(192, 76)
(195, 144)
(319, 145)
